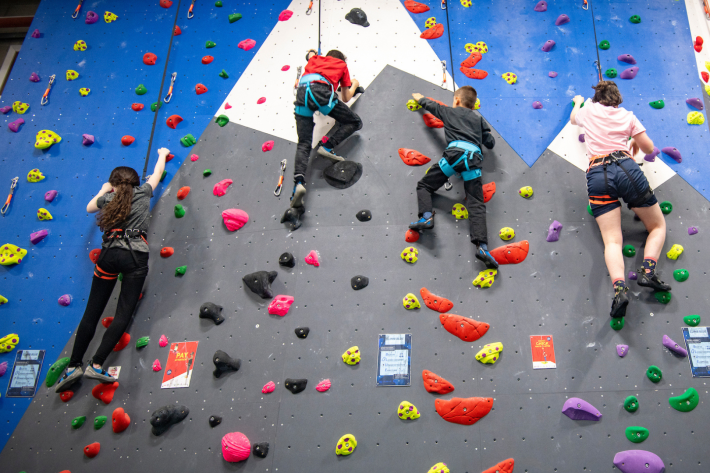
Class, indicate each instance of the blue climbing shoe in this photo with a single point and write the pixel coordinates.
(98, 374)
(328, 153)
(485, 256)
(71, 376)
(424, 223)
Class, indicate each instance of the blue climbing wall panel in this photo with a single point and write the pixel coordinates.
(112, 67)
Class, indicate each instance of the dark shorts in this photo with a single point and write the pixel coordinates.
(604, 194)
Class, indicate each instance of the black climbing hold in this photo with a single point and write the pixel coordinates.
(287, 260)
(295, 385)
(364, 216)
(293, 216)
(215, 421)
(260, 449)
(357, 17)
(210, 310)
(359, 282)
(343, 174)
(224, 363)
(302, 332)
(163, 418)
(260, 283)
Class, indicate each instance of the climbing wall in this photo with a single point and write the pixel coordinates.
(560, 289)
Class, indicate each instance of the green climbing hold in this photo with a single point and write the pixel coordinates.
(78, 422)
(155, 106)
(222, 120)
(692, 320)
(604, 45)
(180, 270)
(611, 73)
(210, 44)
(681, 275)
(234, 17)
(657, 104)
(56, 370)
(666, 207)
(629, 251)
(662, 296)
(142, 342)
(188, 140)
(686, 402)
(654, 373)
(141, 90)
(589, 210)
(636, 434)
(218, 3)
(631, 404)
(582, 105)
(179, 211)
(99, 422)
(617, 323)
(162, 178)
(224, 74)
(635, 19)
(120, 276)
(207, 172)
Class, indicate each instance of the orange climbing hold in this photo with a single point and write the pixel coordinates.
(123, 342)
(433, 33)
(94, 255)
(434, 302)
(411, 236)
(415, 7)
(506, 466)
(412, 157)
(127, 140)
(466, 329)
(488, 191)
(466, 411)
(468, 64)
(200, 89)
(182, 193)
(173, 121)
(137, 107)
(92, 449)
(434, 383)
(512, 253)
(167, 251)
(431, 121)
(104, 392)
(120, 420)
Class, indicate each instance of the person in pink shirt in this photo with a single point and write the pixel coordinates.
(613, 135)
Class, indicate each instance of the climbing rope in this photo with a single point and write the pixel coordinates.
(76, 12)
(45, 97)
(451, 54)
(189, 12)
(9, 197)
(279, 186)
(598, 62)
(170, 90)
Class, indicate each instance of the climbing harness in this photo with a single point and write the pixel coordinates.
(443, 69)
(298, 78)
(619, 157)
(279, 186)
(469, 150)
(127, 235)
(170, 90)
(76, 12)
(443, 4)
(9, 196)
(585, 6)
(306, 81)
(310, 8)
(45, 97)
(189, 12)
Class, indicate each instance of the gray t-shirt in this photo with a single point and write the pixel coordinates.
(137, 219)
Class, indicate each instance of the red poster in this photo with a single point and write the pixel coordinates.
(543, 352)
(181, 361)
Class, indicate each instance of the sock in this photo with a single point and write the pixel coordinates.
(426, 215)
(330, 150)
(483, 246)
(649, 265)
(619, 285)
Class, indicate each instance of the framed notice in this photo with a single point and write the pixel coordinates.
(25, 373)
(181, 362)
(697, 341)
(543, 352)
(394, 359)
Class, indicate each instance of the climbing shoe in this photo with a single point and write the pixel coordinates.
(71, 376)
(293, 216)
(359, 90)
(98, 374)
(329, 154)
(299, 192)
(651, 280)
(485, 256)
(424, 223)
(618, 305)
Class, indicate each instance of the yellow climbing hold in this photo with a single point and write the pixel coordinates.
(478, 104)
(80, 45)
(410, 302)
(696, 118)
(466, 3)
(460, 211)
(510, 78)
(707, 65)
(413, 105)
(485, 278)
(352, 356)
(469, 47)
(110, 17)
(490, 353)
(525, 191)
(430, 22)
(481, 47)
(71, 75)
(506, 233)
(46, 138)
(707, 89)
(439, 468)
(675, 252)
(11, 254)
(409, 254)
(346, 445)
(8, 342)
(43, 214)
(20, 107)
(3, 300)
(408, 411)
(35, 176)
(84, 91)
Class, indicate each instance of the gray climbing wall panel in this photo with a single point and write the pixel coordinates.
(560, 289)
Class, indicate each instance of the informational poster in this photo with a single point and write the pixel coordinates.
(178, 368)
(25, 373)
(543, 352)
(697, 341)
(394, 358)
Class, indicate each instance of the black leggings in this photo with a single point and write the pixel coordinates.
(111, 262)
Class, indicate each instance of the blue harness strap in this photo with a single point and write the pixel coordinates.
(469, 149)
(304, 110)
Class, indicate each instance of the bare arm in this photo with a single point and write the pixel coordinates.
(349, 93)
(154, 178)
(91, 207)
(644, 142)
(578, 101)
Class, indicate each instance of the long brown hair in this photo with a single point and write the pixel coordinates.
(607, 93)
(123, 179)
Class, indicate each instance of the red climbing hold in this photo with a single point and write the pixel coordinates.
(167, 251)
(166, 3)
(94, 255)
(513, 253)
(286, 67)
(137, 107)
(92, 449)
(705, 76)
(127, 140)
(411, 236)
(182, 193)
(433, 33)
(468, 64)
(106, 321)
(506, 466)
(200, 89)
(66, 395)
(415, 7)
(437, 101)
(120, 420)
(434, 383)
(123, 342)
(431, 121)
(207, 59)
(261, 100)
(173, 120)
(177, 31)
(434, 302)
(412, 157)
(104, 392)
(698, 45)
(466, 329)
(268, 146)
(488, 191)
(466, 411)
(149, 59)
(169, 157)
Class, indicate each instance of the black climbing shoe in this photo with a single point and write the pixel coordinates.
(98, 374)
(486, 257)
(423, 223)
(299, 193)
(293, 216)
(651, 280)
(71, 376)
(618, 306)
(359, 90)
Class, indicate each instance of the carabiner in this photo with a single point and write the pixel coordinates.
(443, 67)
(170, 90)
(279, 186)
(45, 97)
(189, 12)
(9, 197)
(78, 7)
(585, 6)
(298, 78)
(310, 8)
(443, 4)
(448, 185)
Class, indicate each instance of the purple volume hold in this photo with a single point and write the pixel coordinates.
(639, 461)
(674, 347)
(629, 73)
(549, 44)
(541, 6)
(36, 237)
(627, 58)
(651, 157)
(561, 20)
(692, 230)
(673, 153)
(622, 350)
(553, 233)
(579, 409)
(695, 102)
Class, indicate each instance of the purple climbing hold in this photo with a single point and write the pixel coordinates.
(553, 233)
(541, 6)
(651, 157)
(35, 34)
(65, 300)
(91, 18)
(3, 368)
(549, 44)
(552, 74)
(639, 461)
(633, 276)
(36, 237)
(6, 109)
(622, 350)
(629, 73)
(15, 126)
(674, 347)
(87, 140)
(581, 138)
(695, 102)
(537, 105)
(627, 58)
(673, 153)
(579, 409)
(50, 195)
(34, 77)
(561, 20)
(692, 230)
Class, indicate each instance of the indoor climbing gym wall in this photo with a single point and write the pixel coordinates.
(351, 344)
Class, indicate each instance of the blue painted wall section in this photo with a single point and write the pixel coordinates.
(112, 67)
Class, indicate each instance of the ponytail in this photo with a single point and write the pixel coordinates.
(116, 211)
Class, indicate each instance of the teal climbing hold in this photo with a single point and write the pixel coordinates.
(662, 296)
(629, 251)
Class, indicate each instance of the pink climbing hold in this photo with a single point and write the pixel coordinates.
(552, 74)
(15, 126)
(629, 73)
(34, 77)
(581, 138)
(87, 140)
(36, 237)
(268, 388)
(234, 219)
(673, 153)
(541, 6)
(695, 102)
(194, 157)
(561, 20)
(280, 305)
(156, 365)
(549, 44)
(268, 146)
(323, 386)
(50, 195)
(651, 157)
(261, 100)
(247, 44)
(312, 258)
(3, 368)
(221, 187)
(227, 106)
(235, 447)
(537, 105)
(35, 34)
(65, 300)
(163, 342)
(627, 58)
(692, 230)
(285, 15)
(286, 67)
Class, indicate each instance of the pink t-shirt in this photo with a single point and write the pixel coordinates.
(607, 129)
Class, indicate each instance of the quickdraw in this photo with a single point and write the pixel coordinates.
(299, 69)
(9, 197)
(45, 97)
(170, 90)
(443, 69)
(279, 186)
(443, 4)
(585, 6)
(310, 8)
(189, 12)
(76, 12)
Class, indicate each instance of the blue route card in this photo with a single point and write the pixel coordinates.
(394, 359)
(697, 340)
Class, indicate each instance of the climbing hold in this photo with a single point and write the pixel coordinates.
(167, 251)
(364, 215)
(359, 282)
(224, 75)
(485, 278)
(99, 422)
(408, 411)
(662, 297)
(346, 445)
(506, 466)
(695, 118)
(466, 411)
(489, 190)
(622, 350)
(194, 157)
(412, 157)
(65, 300)
(188, 140)
(267, 146)
(137, 107)
(537, 105)
(631, 404)
(552, 74)
(84, 91)
(410, 302)
(127, 140)
(635, 19)
(351, 356)
(71, 75)
(651, 157)
(611, 73)
(438, 468)
(459, 211)
(561, 20)
(415, 7)
(629, 251)
(654, 373)
(200, 89)
(312, 258)
(238, 16)
(579, 409)
(434, 383)
(234, 219)
(149, 59)
(65, 396)
(261, 449)
(510, 78)
(43, 214)
(141, 90)
(628, 59)
(46, 138)
(666, 207)
(680, 275)
(295, 385)
(675, 251)
(8, 342)
(91, 18)
(104, 392)
(7, 108)
(120, 420)
(490, 353)
(287, 259)
(259, 283)
(549, 44)
(56, 371)
(413, 105)
(432, 33)
(512, 253)
(412, 236)
(636, 434)
(268, 388)
(106, 321)
(166, 3)
(179, 211)
(246, 44)
(430, 22)
(323, 386)
(177, 31)
(34, 77)
(506, 233)
(698, 44)
(674, 347)
(261, 100)
(280, 305)
(142, 342)
(122, 342)
(431, 121)
(173, 121)
(409, 254)
(541, 6)
(692, 320)
(705, 77)
(434, 302)
(183, 192)
(15, 126)
(210, 44)
(673, 153)
(163, 341)
(629, 73)
(636, 461)
(302, 332)
(221, 187)
(110, 17)
(92, 449)
(222, 120)
(223, 363)
(695, 102)
(526, 192)
(218, 3)
(180, 270)
(686, 402)
(166, 416)
(20, 107)
(357, 17)
(553, 233)
(466, 329)
(604, 45)
(212, 311)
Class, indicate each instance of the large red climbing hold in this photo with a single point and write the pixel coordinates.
(200, 89)
(415, 7)
(66, 395)
(123, 342)
(182, 193)
(411, 236)
(173, 121)
(466, 411)
(94, 255)
(488, 191)
(513, 253)
(166, 3)
(466, 329)
(106, 321)
(431, 121)
(412, 157)
(149, 59)
(137, 107)
(468, 64)
(92, 449)
(120, 420)
(433, 33)
(167, 251)
(104, 392)
(207, 59)
(127, 140)
(434, 302)
(506, 466)
(177, 31)
(434, 383)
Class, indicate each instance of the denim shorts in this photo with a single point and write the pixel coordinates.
(604, 193)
